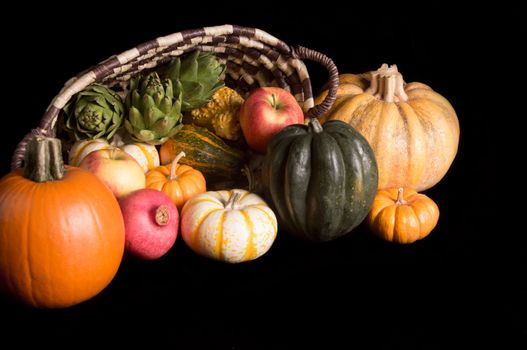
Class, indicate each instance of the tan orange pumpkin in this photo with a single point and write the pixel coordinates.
(402, 215)
(179, 182)
(61, 230)
(414, 131)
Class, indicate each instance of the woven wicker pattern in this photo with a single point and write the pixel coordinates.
(253, 58)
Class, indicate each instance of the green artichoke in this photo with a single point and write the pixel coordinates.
(95, 112)
(197, 77)
(154, 112)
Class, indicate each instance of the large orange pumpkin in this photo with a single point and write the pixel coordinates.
(61, 231)
(414, 131)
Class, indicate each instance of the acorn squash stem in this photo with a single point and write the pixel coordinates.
(43, 159)
(315, 125)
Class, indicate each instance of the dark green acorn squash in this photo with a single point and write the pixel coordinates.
(321, 181)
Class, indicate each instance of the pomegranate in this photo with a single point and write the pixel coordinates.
(151, 223)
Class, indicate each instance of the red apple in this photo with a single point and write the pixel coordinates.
(265, 112)
(151, 222)
(117, 169)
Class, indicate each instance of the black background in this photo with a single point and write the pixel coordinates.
(463, 285)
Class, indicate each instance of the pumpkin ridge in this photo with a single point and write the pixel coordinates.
(430, 95)
(243, 195)
(409, 138)
(250, 250)
(404, 231)
(276, 179)
(218, 249)
(418, 142)
(378, 139)
(363, 166)
(148, 156)
(197, 178)
(297, 171)
(259, 207)
(33, 190)
(363, 116)
(194, 233)
(345, 142)
(349, 107)
(435, 141)
(173, 190)
(389, 231)
(203, 199)
(321, 195)
(76, 159)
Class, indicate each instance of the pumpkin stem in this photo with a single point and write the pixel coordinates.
(173, 167)
(43, 159)
(315, 125)
(162, 215)
(387, 83)
(233, 199)
(400, 197)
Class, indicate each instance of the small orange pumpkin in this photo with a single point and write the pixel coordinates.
(178, 181)
(402, 215)
(61, 230)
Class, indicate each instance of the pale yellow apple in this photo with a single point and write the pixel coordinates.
(117, 169)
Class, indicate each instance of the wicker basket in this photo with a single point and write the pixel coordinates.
(253, 58)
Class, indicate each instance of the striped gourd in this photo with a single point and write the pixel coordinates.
(82, 148)
(146, 155)
(205, 152)
(231, 226)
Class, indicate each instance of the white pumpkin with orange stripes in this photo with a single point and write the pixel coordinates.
(146, 155)
(82, 148)
(232, 226)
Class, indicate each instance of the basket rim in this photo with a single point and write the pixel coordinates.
(252, 38)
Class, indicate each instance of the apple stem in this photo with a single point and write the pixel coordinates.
(43, 159)
(233, 199)
(274, 100)
(162, 215)
(174, 165)
(315, 125)
(400, 198)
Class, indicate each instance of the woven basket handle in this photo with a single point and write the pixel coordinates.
(47, 122)
(333, 82)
